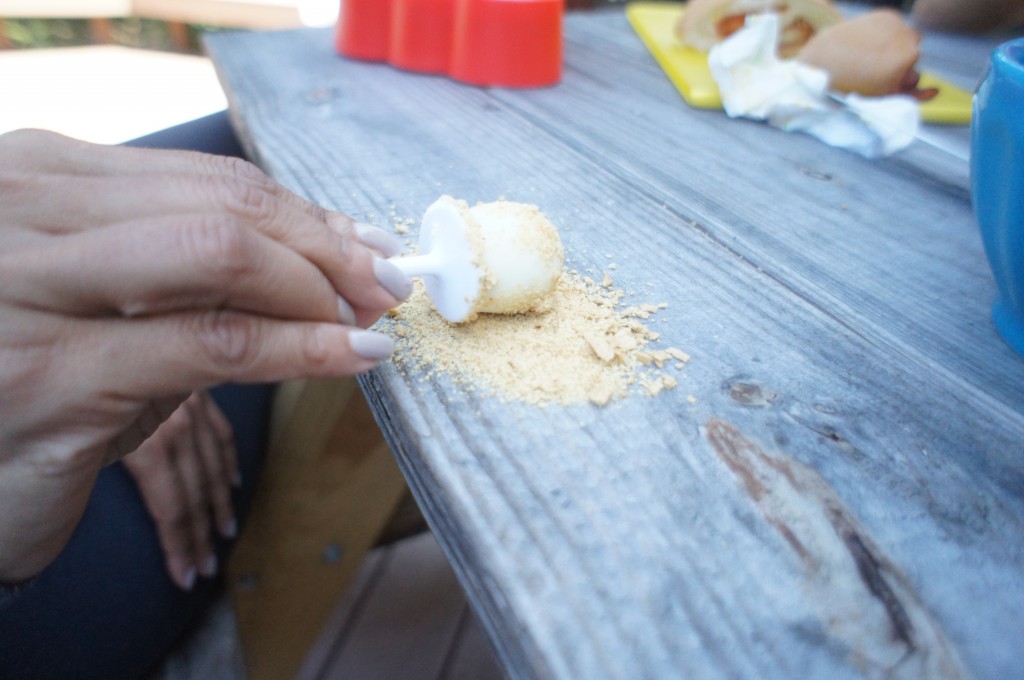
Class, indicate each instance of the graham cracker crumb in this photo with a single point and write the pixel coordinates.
(676, 353)
(660, 357)
(654, 387)
(601, 347)
(601, 394)
(580, 347)
(626, 344)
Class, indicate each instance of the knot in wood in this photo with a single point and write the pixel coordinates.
(750, 394)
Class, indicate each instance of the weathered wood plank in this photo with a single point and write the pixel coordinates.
(831, 225)
(853, 342)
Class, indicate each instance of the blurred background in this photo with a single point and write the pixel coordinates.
(108, 71)
(111, 70)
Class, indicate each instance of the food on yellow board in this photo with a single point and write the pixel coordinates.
(705, 23)
(873, 55)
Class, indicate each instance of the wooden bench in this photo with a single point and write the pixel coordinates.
(834, 487)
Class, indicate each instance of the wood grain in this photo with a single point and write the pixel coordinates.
(328, 488)
(864, 602)
(836, 310)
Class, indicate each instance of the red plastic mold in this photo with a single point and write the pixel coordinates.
(364, 29)
(502, 43)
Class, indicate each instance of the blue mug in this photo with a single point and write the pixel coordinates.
(997, 183)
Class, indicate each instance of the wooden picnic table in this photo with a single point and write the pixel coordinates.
(836, 487)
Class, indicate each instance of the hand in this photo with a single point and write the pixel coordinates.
(130, 278)
(185, 472)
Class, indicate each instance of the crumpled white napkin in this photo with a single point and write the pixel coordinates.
(755, 83)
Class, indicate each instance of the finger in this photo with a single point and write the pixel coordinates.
(196, 488)
(154, 414)
(159, 484)
(44, 153)
(50, 152)
(363, 265)
(200, 183)
(384, 243)
(170, 354)
(369, 284)
(218, 458)
(225, 435)
(155, 180)
(326, 239)
(188, 262)
(222, 432)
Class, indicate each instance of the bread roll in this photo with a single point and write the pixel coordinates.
(707, 22)
(873, 55)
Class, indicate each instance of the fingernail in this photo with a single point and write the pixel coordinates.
(392, 278)
(371, 345)
(237, 480)
(189, 579)
(230, 529)
(346, 315)
(210, 567)
(383, 242)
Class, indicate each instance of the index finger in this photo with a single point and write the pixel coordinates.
(203, 184)
(54, 153)
(189, 262)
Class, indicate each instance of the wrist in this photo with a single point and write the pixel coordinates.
(40, 515)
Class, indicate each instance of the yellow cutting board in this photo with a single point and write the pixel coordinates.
(687, 68)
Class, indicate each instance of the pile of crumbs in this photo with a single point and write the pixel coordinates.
(580, 346)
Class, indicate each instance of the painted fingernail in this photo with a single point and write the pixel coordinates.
(385, 243)
(371, 345)
(189, 579)
(346, 315)
(392, 278)
(209, 567)
(230, 529)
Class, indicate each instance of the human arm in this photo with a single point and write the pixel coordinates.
(130, 278)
